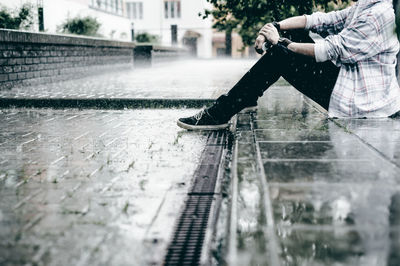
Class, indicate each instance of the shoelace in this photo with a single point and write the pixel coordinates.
(199, 115)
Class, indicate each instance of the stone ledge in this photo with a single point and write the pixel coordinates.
(104, 103)
(17, 36)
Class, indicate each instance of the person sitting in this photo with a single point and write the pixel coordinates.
(351, 73)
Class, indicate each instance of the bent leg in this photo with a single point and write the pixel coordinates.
(315, 80)
(251, 86)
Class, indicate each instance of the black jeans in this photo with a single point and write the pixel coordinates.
(315, 80)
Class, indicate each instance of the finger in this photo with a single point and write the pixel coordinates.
(273, 28)
(263, 31)
(266, 27)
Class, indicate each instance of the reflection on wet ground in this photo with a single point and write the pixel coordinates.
(312, 191)
(88, 187)
(180, 79)
(381, 134)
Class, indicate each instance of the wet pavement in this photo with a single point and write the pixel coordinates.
(179, 79)
(102, 187)
(105, 187)
(307, 190)
(92, 187)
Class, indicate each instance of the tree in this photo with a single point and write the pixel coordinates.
(247, 17)
(21, 18)
(88, 26)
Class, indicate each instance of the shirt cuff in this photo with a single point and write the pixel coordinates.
(308, 22)
(321, 51)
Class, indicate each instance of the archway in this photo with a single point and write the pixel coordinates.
(190, 41)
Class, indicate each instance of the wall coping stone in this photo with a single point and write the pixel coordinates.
(156, 47)
(17, 36)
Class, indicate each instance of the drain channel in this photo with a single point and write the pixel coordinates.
(186, 245)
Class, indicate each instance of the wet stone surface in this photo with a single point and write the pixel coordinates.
(92, 187)
(314, 191)
(381, 134)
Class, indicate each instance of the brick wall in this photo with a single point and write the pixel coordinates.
(36, 58)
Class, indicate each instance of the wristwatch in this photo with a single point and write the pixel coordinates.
(284, 41)
(276, 25)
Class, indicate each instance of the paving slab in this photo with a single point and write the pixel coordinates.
(308, 190)
(382, 134)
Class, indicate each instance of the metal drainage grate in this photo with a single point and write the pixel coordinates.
(185, 248)
(187, 241)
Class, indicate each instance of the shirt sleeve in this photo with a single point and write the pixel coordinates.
(327, 23)
(359, 41)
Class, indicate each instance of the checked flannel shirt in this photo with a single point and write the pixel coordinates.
(361, 40)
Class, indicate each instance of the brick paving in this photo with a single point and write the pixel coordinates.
(307, 190)
(92, 187)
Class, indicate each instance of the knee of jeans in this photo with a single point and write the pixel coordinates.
(298, 35)
(277, 53)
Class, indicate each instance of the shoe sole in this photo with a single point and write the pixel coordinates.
(209, 127)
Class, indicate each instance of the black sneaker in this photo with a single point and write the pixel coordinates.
(202, 121)
(250, 109)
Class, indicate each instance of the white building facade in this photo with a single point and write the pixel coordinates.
(157, 16)
(119, 17)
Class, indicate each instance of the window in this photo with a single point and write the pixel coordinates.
(172, 8)
(134, 10)
(111, 6)
(166, 12)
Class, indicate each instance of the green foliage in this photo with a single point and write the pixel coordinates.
(146, 37)
(21, 18)
(88, 26)
(331, 6)
(396, 5)
(247, 17)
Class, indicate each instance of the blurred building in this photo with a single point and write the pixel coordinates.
(175, 22)
(238, 50)
(160, 17)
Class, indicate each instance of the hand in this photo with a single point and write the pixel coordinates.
(259, 43)
(270, 33)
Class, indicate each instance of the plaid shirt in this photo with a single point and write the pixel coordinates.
(361, 41)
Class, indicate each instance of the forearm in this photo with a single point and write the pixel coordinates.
(302, 48)
(298, 22)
